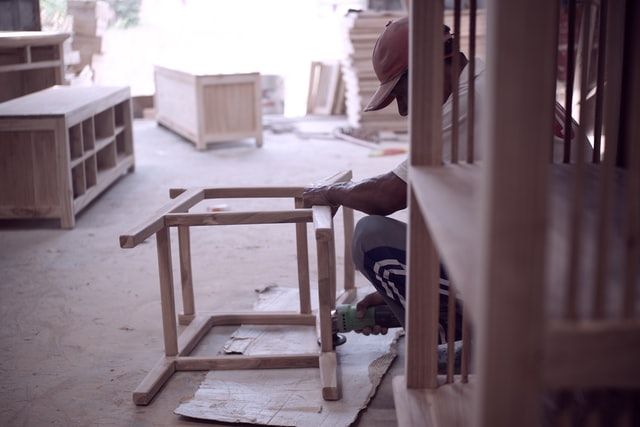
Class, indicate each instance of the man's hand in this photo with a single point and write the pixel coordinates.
(373, 299)
(317, 195)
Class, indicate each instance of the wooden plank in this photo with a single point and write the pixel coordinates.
(237, 218)
(155, 222)
(153, 382)
(261, 318)
(244, 192)
(191, 336)
(69, 101)
(271, 361)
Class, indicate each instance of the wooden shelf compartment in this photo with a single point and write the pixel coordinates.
(78, 180)
(30, 61)
(64, 149)
(76, 144)
(88, 135)
(13, 56)
(106, 157)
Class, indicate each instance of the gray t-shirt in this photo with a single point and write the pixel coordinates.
(402, 170)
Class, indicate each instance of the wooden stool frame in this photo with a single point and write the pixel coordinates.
(179, 347)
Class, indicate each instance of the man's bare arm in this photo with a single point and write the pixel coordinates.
(380, 195)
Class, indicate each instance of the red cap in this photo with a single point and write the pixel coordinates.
(390, 61)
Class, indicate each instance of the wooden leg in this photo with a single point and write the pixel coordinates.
(326, 302)
(349, 267)
(65, 203)
(302, 251)
(329, 376)
(167, 298)
(186, 276)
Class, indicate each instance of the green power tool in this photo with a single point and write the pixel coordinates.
(344, 318)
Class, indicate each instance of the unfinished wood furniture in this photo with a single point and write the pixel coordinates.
(208, 108)
(178, 348)
(62, 147)
(545, 255)
(30, 61)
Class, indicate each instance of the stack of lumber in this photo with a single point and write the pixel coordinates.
(90, 19)
(360, 82)
(361, 32)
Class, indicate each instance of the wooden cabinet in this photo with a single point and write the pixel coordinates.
(60, 148)
(30, 61)
(208, 108)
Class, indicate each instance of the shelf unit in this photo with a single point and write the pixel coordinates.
(62, 147)
(30, 61)
(544, 255)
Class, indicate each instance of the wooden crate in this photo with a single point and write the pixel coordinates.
(30, 61)
(208, 108)
(62, 147)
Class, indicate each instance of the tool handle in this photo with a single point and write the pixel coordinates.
(383, 316)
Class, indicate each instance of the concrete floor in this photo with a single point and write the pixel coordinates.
(80, 317)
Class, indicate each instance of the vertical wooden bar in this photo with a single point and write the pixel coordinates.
(600, 89)
(332, 266)
(631, 112)
(302, 255)
(451, 332)
(425, 94)
(349, 267)
(422, 314)
(425, 123)
(513, 223)
(186, 275)
(466, 349)
(326, 302)
(613, 94)
(570, 73)
(471, 107)
(167, 298)
(455, 78)
(577, 194)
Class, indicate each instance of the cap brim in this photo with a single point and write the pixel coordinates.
(383, 96)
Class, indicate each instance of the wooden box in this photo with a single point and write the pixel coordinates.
(60, 148)
(208, 108)
(30, 61)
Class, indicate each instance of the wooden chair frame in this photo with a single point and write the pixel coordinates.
(178, 347)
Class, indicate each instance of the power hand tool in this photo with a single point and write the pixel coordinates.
(344, 318)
